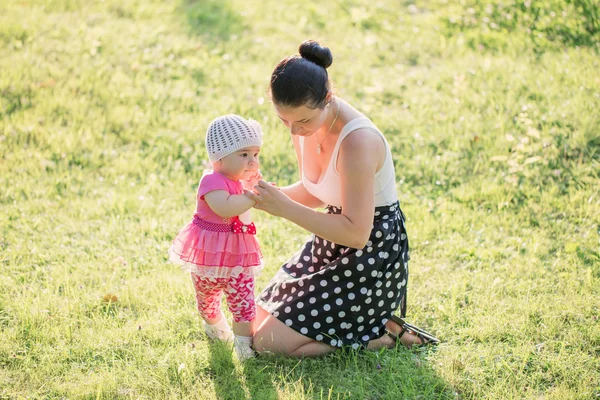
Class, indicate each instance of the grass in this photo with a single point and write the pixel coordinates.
(495, 133)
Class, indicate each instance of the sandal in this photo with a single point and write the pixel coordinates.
(426, 337)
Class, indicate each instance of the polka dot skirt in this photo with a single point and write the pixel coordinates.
(343, 296)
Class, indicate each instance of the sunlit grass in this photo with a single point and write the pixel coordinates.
(495, 134)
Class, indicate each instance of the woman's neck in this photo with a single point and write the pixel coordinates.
(331, 123)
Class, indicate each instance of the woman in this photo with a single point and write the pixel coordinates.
(343, 285)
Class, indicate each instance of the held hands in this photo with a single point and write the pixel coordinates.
(268, 198)
(249, 183)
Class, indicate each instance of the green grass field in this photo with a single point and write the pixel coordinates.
(492, 110)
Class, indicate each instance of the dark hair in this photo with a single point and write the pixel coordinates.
(302, 80)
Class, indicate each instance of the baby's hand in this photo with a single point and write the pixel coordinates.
(252, 181)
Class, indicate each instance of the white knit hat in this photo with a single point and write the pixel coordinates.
(230, 133)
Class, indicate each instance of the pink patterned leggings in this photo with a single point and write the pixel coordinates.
(239, 292)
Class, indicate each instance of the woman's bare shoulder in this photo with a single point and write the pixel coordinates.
(362, 139)
(362, 147)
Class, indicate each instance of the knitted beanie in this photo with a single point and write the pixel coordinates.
(230, 133)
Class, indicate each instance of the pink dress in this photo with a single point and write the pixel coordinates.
(216, 247)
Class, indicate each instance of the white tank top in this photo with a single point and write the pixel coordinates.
(328, 190)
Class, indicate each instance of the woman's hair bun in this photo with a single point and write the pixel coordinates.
(316, 53)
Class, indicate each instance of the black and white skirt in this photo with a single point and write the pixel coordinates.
(343, 296)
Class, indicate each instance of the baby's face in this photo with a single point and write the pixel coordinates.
(239, 165)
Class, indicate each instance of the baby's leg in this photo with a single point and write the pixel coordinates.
(240, 299)
(208, 301)
(208, 298)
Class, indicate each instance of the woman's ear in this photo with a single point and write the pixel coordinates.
(328, 97)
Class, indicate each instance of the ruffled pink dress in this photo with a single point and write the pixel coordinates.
(216, 247)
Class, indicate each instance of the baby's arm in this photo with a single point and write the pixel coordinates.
(228, 205)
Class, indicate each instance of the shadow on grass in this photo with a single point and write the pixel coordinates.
(235, 383)
(214, 18)
(348, 374)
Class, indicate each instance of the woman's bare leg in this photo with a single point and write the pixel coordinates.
(313, 349)
(274, 336)
(261, 315)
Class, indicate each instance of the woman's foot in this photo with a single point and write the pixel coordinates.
(408, 335)
(407, 338)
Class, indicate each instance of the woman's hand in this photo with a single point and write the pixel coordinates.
(269, 198)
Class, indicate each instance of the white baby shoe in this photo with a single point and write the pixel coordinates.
(242, 347)
(219, 331)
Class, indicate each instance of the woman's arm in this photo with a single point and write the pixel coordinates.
(298, 193)
(337, 228)
(361, 154)
(228, 205)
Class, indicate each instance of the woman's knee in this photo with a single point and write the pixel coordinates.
(273, 336)
(263, 346)
(266, 340)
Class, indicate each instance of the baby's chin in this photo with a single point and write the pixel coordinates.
(248, 174)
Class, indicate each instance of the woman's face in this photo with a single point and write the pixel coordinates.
(301, 121)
